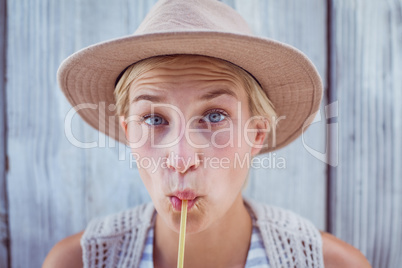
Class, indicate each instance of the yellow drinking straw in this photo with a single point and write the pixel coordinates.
(182, 237)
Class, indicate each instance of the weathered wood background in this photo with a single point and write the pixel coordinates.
(366, 80)
(344, 173)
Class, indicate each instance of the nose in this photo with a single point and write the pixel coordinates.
(183, 156)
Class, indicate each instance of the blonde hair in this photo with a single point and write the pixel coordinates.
(258, 101)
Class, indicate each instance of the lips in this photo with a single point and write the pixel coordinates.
(185, 195)
(178, 197)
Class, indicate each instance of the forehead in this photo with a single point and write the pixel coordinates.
(189, 72)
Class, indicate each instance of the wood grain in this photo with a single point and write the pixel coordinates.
(301, 184)
(366, 64)
(4, 227)
(55, 188)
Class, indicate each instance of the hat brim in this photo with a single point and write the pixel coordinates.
(287, 76)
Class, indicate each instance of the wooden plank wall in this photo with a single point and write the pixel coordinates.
(54, 188)
(4, 242)
(301, 185)
(366, 79)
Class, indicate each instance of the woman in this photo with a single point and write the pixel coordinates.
(196, 98)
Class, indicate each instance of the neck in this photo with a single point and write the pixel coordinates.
(224, 244)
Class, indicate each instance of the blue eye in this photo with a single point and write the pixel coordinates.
(154, 120)
(214, 117)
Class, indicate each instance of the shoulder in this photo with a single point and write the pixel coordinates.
(66, 253)
(338, 253)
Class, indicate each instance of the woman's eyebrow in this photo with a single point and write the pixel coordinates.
(207, 96)
(218, 92)
(148, 97)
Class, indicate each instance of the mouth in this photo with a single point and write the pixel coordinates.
(177, 198)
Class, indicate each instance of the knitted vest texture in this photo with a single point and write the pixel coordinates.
(118, 240)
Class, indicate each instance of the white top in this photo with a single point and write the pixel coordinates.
(118, 240)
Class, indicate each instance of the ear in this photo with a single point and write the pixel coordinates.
(261, 127)
(123, 124)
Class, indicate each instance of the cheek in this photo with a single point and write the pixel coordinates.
(229, 171)
(232, 145)
(150, 162)
(147, 180)
(234, 157)
(138, 134)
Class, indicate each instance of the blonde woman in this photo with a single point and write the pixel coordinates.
(196, 96)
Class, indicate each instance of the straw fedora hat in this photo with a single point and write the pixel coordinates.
(199, 27)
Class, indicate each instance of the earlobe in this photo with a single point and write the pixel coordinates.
(262, 127)
(258, 142)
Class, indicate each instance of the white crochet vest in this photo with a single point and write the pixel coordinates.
(118, 240)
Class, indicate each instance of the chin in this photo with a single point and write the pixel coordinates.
(195, 223)
(196, 220)
(195, 226)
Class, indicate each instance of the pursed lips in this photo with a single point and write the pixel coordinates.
(177, 197)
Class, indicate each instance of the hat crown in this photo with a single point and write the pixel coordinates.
(192, 15)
